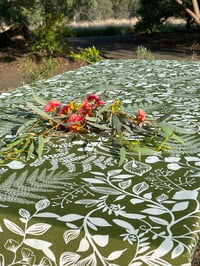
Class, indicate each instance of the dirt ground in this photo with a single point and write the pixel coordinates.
(11, 75)
(164, 46)
(170, 46)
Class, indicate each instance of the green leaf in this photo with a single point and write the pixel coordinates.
(15, 143)
(40, 112)
(39, 99)
(102, 127)
(177, 138)
(122, 156)
(121, 137)
(116, 123)
(15, 152)
(128, 129)
(104, 108)
(91, 119)
(167, 130)
(30, 150)
(25, 135)
(147, 151)
(171, 134)
(26, 144)
(164, 117)
(24, 126)
(4, 149)
(40, 146)
(139, 152)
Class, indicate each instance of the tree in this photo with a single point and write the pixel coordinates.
(12, 15)
(44, 20)
(120, 8)
(102, 10)
(132, 7)
(193, 4)
(153, 14)
(81, 9)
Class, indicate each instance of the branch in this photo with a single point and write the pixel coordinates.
(179, 2)
(196, 8)
(196, 14)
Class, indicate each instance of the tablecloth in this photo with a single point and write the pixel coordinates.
(75, 205)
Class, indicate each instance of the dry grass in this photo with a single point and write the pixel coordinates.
(119, 26)
(121, 22)
(103, 23)
(104, 27)
(176, 21)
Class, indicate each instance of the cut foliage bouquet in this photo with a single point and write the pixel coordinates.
(90, 117)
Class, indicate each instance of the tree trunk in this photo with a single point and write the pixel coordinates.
(195, 13)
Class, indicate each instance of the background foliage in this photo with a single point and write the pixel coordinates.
(46, 21)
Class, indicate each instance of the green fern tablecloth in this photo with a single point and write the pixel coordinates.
(75, 206)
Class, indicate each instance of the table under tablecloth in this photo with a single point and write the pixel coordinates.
(75, 205)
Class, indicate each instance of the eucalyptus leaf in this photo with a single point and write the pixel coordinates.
(171, 134)
(25, 135)
(39, 99)
(177, 138)
(165, 117)
(175, 128)
(40, 146)
(40, 112)
(16, 151)
(128, 129)
(116, 123)
(100, 126)
(30, 150)
(5, 149)
(104, 108)
(122, 156)
(15, 143)
(24, 126)
(147, 151)
(26, 143)
(91, 119)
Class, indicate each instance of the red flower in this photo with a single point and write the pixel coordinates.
(64, 110)
(141, 115)
(93, 98)
(51, 106)
(75, 121)
(86, 108)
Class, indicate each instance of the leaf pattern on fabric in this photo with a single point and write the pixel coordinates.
(137, 168)
(75, 205)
